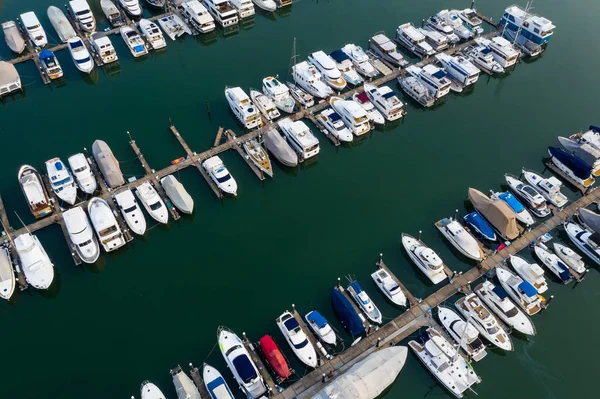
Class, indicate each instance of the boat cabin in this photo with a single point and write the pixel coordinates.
(198, 16)
(105, 49)
(223, 12)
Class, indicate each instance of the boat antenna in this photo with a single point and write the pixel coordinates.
(528, 7)
(292, 58)
(21, 220)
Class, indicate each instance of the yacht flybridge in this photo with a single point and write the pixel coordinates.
(83, 14)
(530, 272)
(131, 212)
(198, 16)
(353, 115)
(471, 20)
(414, 41)
(462, 332)
(459, 68)
(265, 105)
(300, 137)
(425, 258)
(35, 263)
(104, 48)
(344, 64)
(34, 191)
(442, 26)
(242, 107)
(434, 78)
(461, 239)
(374, 115)
(501, 49)
(310, 79)
(360, 60)
(245, 8)
(278, 93)
(386, 101)
(381, 45)
(61, 181)
(332, 121)
(483, 59)
(522, 292)
(437, 40)
(417, 91)
(220, 175)
(549, 187)
(389, 287)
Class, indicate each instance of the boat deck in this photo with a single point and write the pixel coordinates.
(245, 157)
(260, 365)
(412, 300)
(309, 334)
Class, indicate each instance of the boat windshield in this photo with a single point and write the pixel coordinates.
(108, 231)
(79, 169)
(82, 12)
(84, 60)
(301, 344)
(155, 206)
(223, 179)
(33, 27)
(493, 329)
(61, 182)
(83, 244)
(130, 209)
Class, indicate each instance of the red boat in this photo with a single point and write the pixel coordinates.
(275, 357)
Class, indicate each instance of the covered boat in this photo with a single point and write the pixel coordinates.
(480, 225)
(10, 80)
(61, 24)
(584, 151)
(108, 164)
(13, 37)
(496, 212)
(280, 149)
(177, 193)
(184, 386)
(590, 219)
(274, 356)
(346, 313)
(572, 166)
(7, 275)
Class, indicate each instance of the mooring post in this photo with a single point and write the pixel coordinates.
(378, 342)
(323, 378)
(293, 308)
(380, 258)
(422, 22)
(455, 214)
(208, 110)
(338, 283)
(420, 232)
(244, 335)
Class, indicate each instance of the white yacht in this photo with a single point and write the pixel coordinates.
(105, 224)
(184, 386)
(154, 205)
(386, 49)
(7, 275)
(177, 194)
(81, 234)
(522, 292)
(451, 18)
(215, 383)
(220, 175)
(150, 391)
(460, 239)
(459, 68)
(530, 272)
(299, 137)
(364, 302)
(62, 183)
(346, 68)
(553, 262)
(223, 12)
(483, 59)
(549, 187)
(173, 26)
(496, 298)
(242, 107)
(265, 105)
(319, 325)
(132, 214)
(266, 5)
(309, 78)
(329, 72)
(80, 54)
(417, 91)
(332, 121)
(112, 13)
(438, 41)
(360, 60)
(297, 339)
(585, 240)
(84, 15)
(104, 48)
(131, 7)
(569, 257)
(529, 195)
(445, 363)
(50, 64)
(470, 20)
(240, 364)
(34, 29)
(133, 41)
(475, 311)
(198, 16)
(35, 193)
(440, 25)
(425, 258)
(462, 332)
(386, 102)
(434, 78)
(537, 29)
(413, 40)
(152, 34)
(61, 24)
(83, 173)
(278, 93)
(502, 50)
(353, 115)
(35, 263)
(389, 287)
(303, 99)
(374, 115)
(245, 8)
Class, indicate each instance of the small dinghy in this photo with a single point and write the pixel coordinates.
(150, 391)
(154, 205)
(297, 339)
(81, 234)
(280, 149)
(177, 193)
(480, 225)
(348, 317)
(374, 115)
(522, 292)
(61, 24)
(417, 91)
(462, 332)
(320, 326)
(258, 156)
(549, 188)
(585, 240)
(108, 164)
(528, 194)
(152, 34)
(34, 191)
(264, 105)
(425, 258)
(83, 173)
(521, 212)
(61, 180)
(569, 257)
(388, 286)
(112, 13)
(7, 275)
(133, 41)
(332, 121)
(530, 272)
(215, 383)
(184, 386)
(105, 224)
(274, 357)
(364, 302)
(220, 175)
(131, 212)
(461, 239)
(303, 98)
(174, 26)
(576, 170)
(13, 37)
(35, 263)
(553, 262)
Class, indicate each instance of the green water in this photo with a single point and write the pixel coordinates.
(137, 313)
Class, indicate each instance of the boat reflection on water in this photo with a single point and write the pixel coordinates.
(92, 78)
(284, 11)
(229, 31)
(247, 23)
(206, 39)
(112, 69)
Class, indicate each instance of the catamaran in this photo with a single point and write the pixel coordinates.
(81, 234)
(61, 181)
(522, 292)
(425, 258)
(297, 339)
(131, 212)
(174, 26)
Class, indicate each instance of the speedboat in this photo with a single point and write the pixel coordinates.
(451, 18)
(264, 105)
(245, 8)
(150, 391)
(112, 13)
(462, 332)
(152, 34)
(61, 181)
(425, 258)
(496, 298)
(280, 149)
(243, 108)
(360, 60)
(35, 263)
(104, 48)
(441, 25)
(133, 41)
(34, 191)
(83, 173)
(569, 257)
(348, 317)
(386, 102)
(108, 164)
(320, 326)
(34, 29)
(7, 275)
(549, 188)
(530, 272)
(382, 46)
(586, 151)
(417, 91)
(471, 20)
(459, 68)
(438, 41)
(173, 26)
(496, 213)
(364, 302)
(329, 72)
(590, 137)
(576, 170)
(215, 383)
(297, 339)
(484, 321)
(346, 68)
(445, 363)
(274, 357)
(585, 240)
(461, 239)
(501, 49)
(198, 16)
(332, 121)
(50, 64)
(12, 36)
(220, 175)
(131, 7)
(278, 93)
(177, 193)
(131, 212)
(309, 78)
(353, 115)
(258, 156)
(522, 292)
(303, 98)
(240, 363)
(105, 224)
(389, 287)
(480, 225)
(266, 5)
(152, 202)
(483, 59)
(81, 234)
(553, 262)
(80, 54)
(83, 14)
(374, 115)
(535, 28)
(184, 386)
(300, 138)
(521, 213)
(413, 40)
(434, 78)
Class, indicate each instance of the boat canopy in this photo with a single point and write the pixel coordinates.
(339, 56)
(440, 74)
(497, 213)
(291, 324)
(317, 318)
(357, 287)
(528, 289)
(512, 201)
(46, 54)
(579, 167)
(476, 220)
(502, 294)
(590, 219)
(348, 316)
(244, 368)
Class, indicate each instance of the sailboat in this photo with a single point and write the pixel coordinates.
(258, 156)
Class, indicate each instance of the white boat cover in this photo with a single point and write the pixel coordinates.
(177, 193)
(590, 219)
(60, 23)
(368, 378)
(498, 213)
(6, 270)
(13, 37)
(9, 78)
(108, 164)
(280, 148)
(185, 387)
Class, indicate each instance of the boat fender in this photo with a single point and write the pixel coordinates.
(323, 350)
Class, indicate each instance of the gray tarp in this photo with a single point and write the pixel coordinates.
(108, 164)
(586, 152)
(177, 193)
(498, 213)
(590, 219)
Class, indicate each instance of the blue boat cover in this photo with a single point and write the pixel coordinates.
(46, 54)
(291, 324)
(317, 318)
(486, 51)
(564, 272)
(334, 116)
(244, 368)
(58, 165)
(528, 289)
(481, 225)
(595, 128)
(500, 292)
(389, 94)
(339, 56)
(579, 168)
(139, 49)
(346, 313)
(512, 202)
(356, 286)
(211, 386)
(439, 74)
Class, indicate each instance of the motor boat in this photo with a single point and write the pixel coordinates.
(81, 234)
(310, 79)
(386, 102)
(274, 357)
(425, 258)
(108, 164)
(438, 41)
(278, 93)
(348, 317)
(240, 363)
(471, 308)
(80, 54)
(243, 108)
(280, 149)
(34, 29)
(521, 213)
(587, 152)
(177, 194)
(502, 50)
(112, 13)
(389, 287)
(105, 224)
(549, 188)
(7, 275)
(150, 391)
(440, 25)
(343, 63)
(585, 240)
(300, 138)
(184, 386)
(131, 7)
(521, 291)
(353, 115)
(374, 115)
(590, 137)
(496, 298)
(104, 48)
(220, 175)
(530, 272)
(569, 257)
(215, 383)
(264, 105)
(157, 4)
(245, 8)
(34, 261)
(496, 213)
(223, 12)
(459, 68)
(266, 5)
(480, 225)
(417, 91)
(471, 20)
(133, 41)
(297, 339)
(360, 60)
(445, 363)
(574, 168)
(483, 59)
(460, 239)
(553, 262)
(320, 326)
(61, 181)
(332, 121)
(463, 333)
(364, 302)
(131, 212)
(61, 24)
(300, 96)
(258, 156)
(35, 193)
(198, 16)
(12, 36)
(152, 202)
(83, 14)
(432, 77)
(383, 47)
(152, 34)
(451, 19)
(173, 26)
(83, 173)
(413, 40)
(537, 29)
(50, 64)
(590, 220)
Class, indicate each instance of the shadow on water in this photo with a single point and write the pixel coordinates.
(207, 39)
(112, 69)
(159, 53)
(96, 267)
(284, 12)
(228, 32)
(247, 23)
(310, 163)
(91, 78)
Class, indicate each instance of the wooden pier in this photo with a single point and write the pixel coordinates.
(262, 369)
(195, 374)
(566, 178)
